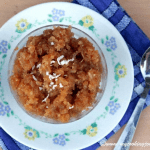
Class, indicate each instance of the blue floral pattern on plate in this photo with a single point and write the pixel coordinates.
(3, 46)
(60, 139)
(2, 112)
(56, 141)
(57, 15)
(111, 43)
(62, 143)
(113, 107)
(7, 109)
(4, 109)
(4, 43)
(1, 106)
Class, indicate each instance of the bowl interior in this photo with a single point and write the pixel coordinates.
(77, 34)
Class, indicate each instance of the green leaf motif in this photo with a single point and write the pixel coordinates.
(37, 133)
(81, 23)
(106, 108)
(12, 112)
(29, 26)
(91, 28)
(118, 64)
(9, 46)
(108, 49)
(4, 56)
(8, 115)
(116, 77)
(94, 125)
(116, 100)
(84, 131)
(67, 134)
(19, 31)
(67, 139)
(6, 103)
(112, 98)
(28, 127)
(49, 15)
(102, 40)
(61, 19)
(107, 37)
(56, 135)
(49, 20)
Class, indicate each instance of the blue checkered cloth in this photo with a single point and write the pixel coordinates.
(137, 42)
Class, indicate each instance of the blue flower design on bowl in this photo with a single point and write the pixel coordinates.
(7, 109)
(55, 18)
(112, 111)
(56, 141)
(1, 106)
(107, 44)
(4, 50)
(113, 46)
(62, 143)
(61, 137)
(55, 11)
(112, 40)
(117, 106)
(111, 104)
(61, 12)
(2, 112)
(4, 43)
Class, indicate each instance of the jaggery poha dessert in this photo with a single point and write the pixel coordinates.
(56, 75)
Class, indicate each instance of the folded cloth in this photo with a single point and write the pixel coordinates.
(137, 42)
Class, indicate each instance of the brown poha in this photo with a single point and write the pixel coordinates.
(56, 75)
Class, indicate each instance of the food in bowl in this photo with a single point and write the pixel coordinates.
(56, 75)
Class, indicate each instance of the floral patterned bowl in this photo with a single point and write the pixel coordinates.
(116, 97)
(77, 34)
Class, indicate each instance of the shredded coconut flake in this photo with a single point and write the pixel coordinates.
(38, 66)
(40, 88)
(52, 62)
(45, 99)
(71, 107)
(60, 85)
(54, 86)
(33, 67)
(47, 73)
(54, 76)
(63, 62)
(52, 83)
(59, 58)
(52, 43)
(34, 78)
(46, 106)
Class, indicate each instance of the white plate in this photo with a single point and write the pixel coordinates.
(105, 116)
